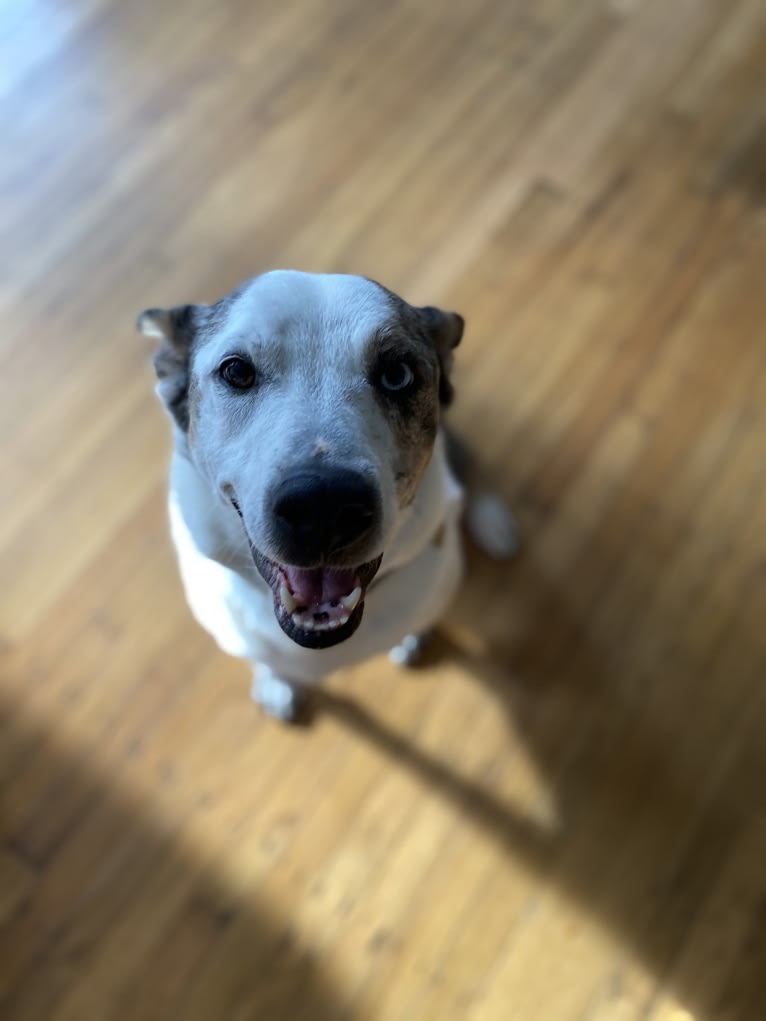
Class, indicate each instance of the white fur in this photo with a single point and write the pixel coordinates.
(410, 593)
(309, 334)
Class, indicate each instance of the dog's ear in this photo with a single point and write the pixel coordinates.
(446, 330)
(176, 328)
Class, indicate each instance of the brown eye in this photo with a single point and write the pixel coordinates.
(396, 376)
(238, 373)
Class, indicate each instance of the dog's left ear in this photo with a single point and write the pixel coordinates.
(176, 328)
(446, 330)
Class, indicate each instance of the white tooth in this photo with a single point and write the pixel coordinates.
(350, 601)
(343, 620)
(332, 624)
(286, 598)
(302, 621)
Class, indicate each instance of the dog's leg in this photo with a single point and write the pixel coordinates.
(492, 524)
(408, 651)
(281, 699)
(488, 517)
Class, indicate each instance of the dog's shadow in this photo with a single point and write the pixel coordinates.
(640, 838)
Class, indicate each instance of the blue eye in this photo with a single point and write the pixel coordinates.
(238, 373)
(397, 376)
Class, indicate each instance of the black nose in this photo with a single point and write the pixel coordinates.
(321, 514)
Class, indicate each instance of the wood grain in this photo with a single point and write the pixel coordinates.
(560, 816)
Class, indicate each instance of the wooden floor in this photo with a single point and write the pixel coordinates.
(562, 815)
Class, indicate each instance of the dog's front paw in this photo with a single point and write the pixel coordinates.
(280, 699)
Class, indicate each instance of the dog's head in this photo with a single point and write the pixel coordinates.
(310, 404)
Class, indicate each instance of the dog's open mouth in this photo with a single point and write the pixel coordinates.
(317, 606)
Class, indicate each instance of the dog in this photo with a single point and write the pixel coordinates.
(314, 513)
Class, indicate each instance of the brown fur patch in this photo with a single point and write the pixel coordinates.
(178, 327)
(439, 536)
(443, 331)
(183, 329)
(413, 415)
(424, 338)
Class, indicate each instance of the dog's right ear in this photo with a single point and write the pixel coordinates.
(446, 330)
(176, 328)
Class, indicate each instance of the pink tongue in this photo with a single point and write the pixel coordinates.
(319, 585)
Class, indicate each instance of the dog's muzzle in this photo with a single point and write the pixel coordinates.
(324, 516)
(324, 523)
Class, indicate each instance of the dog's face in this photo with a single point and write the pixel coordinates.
(310, 404)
